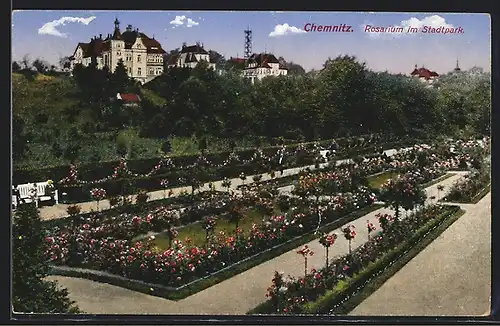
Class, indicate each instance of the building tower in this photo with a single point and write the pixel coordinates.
(457, 68)
(248, 43)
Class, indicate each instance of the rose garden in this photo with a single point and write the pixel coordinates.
(172, 247)
(294, 195)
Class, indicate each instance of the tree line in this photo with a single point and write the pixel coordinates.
(345, 98)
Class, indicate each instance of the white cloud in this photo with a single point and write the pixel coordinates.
(191, 23)
(50, 28)
(183, 20)
(179, 20)
(285, 29)
(433, 21)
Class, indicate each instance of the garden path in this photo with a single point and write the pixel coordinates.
(234, 296)
(59, 211)
(451, 277)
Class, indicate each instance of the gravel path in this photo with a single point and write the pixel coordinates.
(234, 296)
(59, 211)
(451, 277)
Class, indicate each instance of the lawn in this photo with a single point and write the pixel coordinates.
(376, 181)
(196, 233)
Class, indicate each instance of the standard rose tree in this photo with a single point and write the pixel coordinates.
(349, 234)
(305, 252)
(327, 240)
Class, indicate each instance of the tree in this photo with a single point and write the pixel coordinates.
(26, 61)
(41, 66)
(64, 63)
(402, 192)
(217, 58)
(167, 57)
(120, 81)
(295, 69)
(16, 66)
(30, 292)
(19, 138)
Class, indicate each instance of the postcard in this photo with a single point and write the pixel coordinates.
(251, 163)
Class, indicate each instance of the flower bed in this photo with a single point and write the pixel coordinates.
(199, 204)
(108, 247)
(322, 289)
(180, 292)
(471, 188)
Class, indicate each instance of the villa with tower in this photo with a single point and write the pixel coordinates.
(141, 54)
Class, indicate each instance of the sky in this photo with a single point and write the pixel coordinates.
(50, 35)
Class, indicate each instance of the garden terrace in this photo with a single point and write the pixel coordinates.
(178, 173)
(244, 289)
(322, 290)
(102, 242)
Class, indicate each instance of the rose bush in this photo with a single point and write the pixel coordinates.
(295, 292)
(107, 245)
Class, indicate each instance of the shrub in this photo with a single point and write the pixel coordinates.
(73, 210)
(142, 197)
(30, 293)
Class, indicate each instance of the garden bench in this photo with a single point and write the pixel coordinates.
(25, 193)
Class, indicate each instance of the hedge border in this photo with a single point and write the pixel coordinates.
(378, 280)
(52, 171)
(420, 240)
(266, 307)
(200, 284)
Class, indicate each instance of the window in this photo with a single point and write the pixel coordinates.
(151, 71)
(119, 54)
(138, 58)
(139, 71)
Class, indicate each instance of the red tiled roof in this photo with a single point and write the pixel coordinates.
(238, 60)
(126, 97)
(424, 73)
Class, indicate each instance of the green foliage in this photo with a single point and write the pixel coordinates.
(345, 98)
(30, 292)
(126, 143)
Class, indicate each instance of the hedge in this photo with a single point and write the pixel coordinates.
(99, 170)
(180, 177)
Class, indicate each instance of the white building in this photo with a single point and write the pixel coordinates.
(141, 55)
(263, 65)
(190, 56)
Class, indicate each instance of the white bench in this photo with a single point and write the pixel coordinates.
(27, 193)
